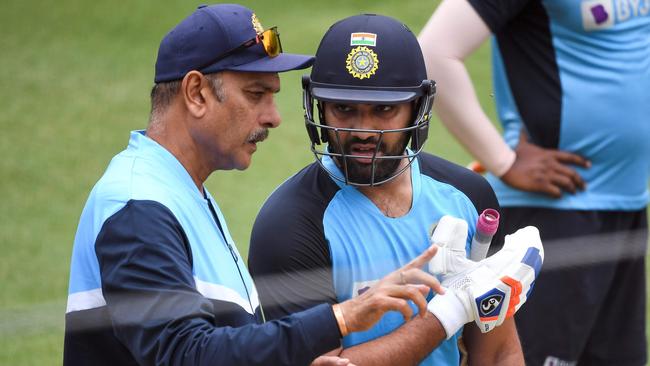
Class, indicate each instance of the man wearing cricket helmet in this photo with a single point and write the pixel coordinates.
(366, 206)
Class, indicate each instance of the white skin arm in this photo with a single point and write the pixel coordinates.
(454, 31)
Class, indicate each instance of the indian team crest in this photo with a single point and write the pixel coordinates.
(362, 62)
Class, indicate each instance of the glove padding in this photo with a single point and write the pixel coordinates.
(488, 291)
(518, 264)
(450, 235)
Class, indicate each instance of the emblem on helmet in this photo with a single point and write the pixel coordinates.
(402, 80)
(362, 62)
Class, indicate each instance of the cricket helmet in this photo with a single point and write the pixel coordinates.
(369, 59)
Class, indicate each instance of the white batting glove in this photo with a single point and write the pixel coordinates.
(488, 291)
(518, 263)
(450, 234)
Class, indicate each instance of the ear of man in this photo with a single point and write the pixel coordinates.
(196, 93)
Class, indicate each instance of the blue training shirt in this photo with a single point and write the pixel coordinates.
(575, 75)
(319, 240)
(156, 278)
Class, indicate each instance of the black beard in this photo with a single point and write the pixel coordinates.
(362, 173)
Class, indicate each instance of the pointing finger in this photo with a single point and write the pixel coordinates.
(423, 258)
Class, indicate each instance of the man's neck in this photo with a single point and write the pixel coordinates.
(178, 142)
(393, 198)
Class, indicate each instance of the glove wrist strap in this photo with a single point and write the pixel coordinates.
(449, 310)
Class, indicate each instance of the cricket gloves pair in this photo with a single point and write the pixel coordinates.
(486, 292)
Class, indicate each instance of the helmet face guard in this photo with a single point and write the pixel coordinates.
(320, 133)
(367, 59)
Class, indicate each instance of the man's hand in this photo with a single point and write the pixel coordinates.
(518, 264)
(544, 171)
(488, 291)
(331, 361)
(392, 293)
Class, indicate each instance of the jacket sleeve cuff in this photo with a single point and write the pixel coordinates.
(320, 328)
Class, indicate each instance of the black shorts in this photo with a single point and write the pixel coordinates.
(588, 305)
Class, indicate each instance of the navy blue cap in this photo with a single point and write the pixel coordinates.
(368, 58)
(211, 31)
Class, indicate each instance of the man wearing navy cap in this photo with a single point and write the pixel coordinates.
(365, 207)
(155, 276)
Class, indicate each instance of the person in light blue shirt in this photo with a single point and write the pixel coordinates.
(155, 276)
(367, 204)
(570, 86)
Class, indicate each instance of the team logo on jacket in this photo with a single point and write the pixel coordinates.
(362, 62)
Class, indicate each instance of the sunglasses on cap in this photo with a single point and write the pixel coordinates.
(270, 39)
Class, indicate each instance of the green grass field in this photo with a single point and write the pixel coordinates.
(75, 79)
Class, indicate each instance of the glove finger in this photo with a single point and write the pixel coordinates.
(450, 235)
(449, 263)
(524, 238)
(524, 246)
(521, 279)
(451, 232)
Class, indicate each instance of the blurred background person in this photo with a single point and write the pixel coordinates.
(570, 81)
